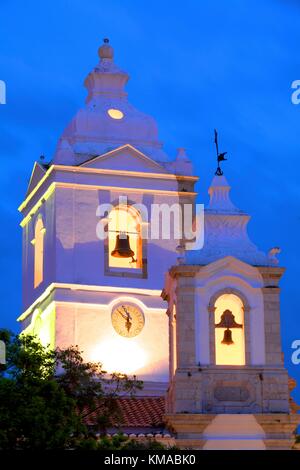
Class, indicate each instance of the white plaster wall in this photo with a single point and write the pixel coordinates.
(89, 326)
(73, 253)
(47, 211)
(80, 254)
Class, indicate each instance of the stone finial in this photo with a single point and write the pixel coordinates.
(64, 152)
(181, 253)
(273, 252)
(106, 51)
(182, 165)
(181, 154)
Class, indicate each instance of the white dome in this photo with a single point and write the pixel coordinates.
(108, 120)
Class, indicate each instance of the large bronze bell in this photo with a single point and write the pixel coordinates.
(227, 339)
(122, 248)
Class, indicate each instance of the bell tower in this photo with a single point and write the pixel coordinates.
(92, 273)
(228, 384)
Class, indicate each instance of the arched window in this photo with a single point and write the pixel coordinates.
(38, 243)
(229, 330)
(124, 238)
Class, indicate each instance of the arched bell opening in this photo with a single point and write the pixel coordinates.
(229, 330)
(124, 238)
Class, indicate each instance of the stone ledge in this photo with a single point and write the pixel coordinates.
(191, 431)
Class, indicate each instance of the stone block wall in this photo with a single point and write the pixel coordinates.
(272, 325)
(229, 390)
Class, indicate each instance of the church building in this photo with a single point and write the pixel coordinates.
(200, 327)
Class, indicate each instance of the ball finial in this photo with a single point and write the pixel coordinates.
(105, 51)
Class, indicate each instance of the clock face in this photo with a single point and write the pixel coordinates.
(128, 320)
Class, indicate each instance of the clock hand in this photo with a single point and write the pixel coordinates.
(122, 314)
(128, 325)
(127, 313)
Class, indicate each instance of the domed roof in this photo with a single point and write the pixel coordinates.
(108, 120)
(225, 232)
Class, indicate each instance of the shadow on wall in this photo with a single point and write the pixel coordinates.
(84, 264)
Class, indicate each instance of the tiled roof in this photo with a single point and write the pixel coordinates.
(139, 412)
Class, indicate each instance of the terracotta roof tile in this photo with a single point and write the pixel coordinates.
(136, 412)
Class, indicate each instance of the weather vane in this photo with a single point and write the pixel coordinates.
(220, 156)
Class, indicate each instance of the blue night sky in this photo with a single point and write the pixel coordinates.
(194, 65)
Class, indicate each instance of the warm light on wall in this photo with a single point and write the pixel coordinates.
(120, 355)
(115, 113)
(38, 244)
(42, 326)
(233, 354)
(126, 220)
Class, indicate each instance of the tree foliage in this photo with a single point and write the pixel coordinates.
(45, 396)
(120, 442)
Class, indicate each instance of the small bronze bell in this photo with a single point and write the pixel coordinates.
(122, 248)
(227, 339)
(228, 321)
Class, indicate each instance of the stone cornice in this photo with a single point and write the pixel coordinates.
(271, 275)
(184, 270)
(81, 186)
(268, 273)
(107, 172)
(51, 288)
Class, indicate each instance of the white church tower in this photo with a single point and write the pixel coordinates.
(90, 276)
(228, 388)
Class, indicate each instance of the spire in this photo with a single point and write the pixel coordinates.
(225, 231)
(219, 192)
(106, 79)
(182, 165)
(106, 51)
(108, 120)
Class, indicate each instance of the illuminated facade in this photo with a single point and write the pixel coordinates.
(38, 242)
(76, 285)
(91, 278)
